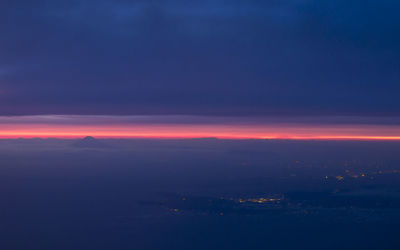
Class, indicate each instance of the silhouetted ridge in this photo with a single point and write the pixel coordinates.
(89, 142)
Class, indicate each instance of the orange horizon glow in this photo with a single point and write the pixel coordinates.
(188, 131)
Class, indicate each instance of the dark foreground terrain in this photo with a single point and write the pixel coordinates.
(198, 194)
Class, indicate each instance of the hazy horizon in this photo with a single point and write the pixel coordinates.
(199, 125)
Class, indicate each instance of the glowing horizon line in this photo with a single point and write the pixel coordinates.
(192, 131)
(77, 135)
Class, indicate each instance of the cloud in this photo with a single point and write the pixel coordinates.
(208, 57)
(195, 120)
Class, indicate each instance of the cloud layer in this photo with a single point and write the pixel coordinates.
(199, 58)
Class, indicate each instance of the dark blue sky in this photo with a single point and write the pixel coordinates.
(236, 57)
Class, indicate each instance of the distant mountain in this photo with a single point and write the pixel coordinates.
(89, 142)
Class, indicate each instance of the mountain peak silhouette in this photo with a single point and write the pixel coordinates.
(89, 142)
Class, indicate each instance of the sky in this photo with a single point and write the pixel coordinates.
(307, 62)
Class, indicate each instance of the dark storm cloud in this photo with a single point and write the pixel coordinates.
(206, 57)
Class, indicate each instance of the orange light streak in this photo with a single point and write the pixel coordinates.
(182, 131)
